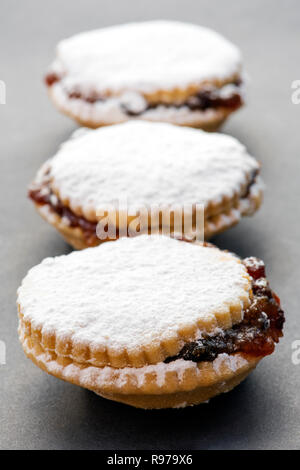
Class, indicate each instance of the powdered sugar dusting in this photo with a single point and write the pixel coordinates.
(184, 404)
(131, 292)
(232, 361)
(145, 57)
(150, 164)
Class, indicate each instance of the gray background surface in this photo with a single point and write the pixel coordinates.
(38, 411)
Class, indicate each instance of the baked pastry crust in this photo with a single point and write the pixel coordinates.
(195, 324)
(85, 115)
(221, 177)
(97, 83)
(213, 225)
(150, 387)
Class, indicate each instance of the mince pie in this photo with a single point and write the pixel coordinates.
(157, 71)
(149, 321)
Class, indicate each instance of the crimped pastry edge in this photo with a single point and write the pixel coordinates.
(178, 399)
(214, 225)
(224, 204)
(83, 112)
(168, 96)
(153, 386)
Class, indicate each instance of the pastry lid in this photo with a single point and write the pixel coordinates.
(145, 57)
(134, 301)
(149, 164)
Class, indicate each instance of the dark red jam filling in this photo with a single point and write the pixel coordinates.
(201, 101)
(255, 336)
(43, 195)
(51, 78)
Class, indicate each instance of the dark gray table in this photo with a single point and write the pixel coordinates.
(38, 411)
